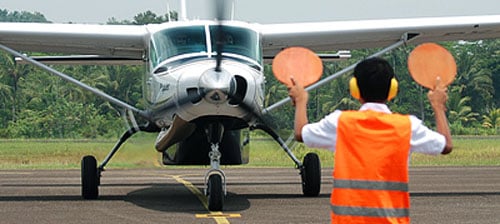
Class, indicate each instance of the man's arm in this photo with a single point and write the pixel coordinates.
(299, 99)
(438, 98)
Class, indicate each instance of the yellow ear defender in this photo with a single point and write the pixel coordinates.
(393, 91)
(354, 89)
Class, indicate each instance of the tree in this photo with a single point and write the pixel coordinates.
(13, 74)
(5, 102)
(23, 16)
(147, 17)
(492, 60)
(459, 111)
(474, 77)
(492, 119)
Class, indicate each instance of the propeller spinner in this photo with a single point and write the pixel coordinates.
(217, 86)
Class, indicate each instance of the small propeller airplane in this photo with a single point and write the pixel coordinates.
(205, 78)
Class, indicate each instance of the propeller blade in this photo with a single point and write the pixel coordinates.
(219, 45)
(220, 7)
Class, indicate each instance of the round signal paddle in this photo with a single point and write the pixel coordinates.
(299, 63)
(429, 61)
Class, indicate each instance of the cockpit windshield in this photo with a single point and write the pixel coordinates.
(238, 42)
(176, 41)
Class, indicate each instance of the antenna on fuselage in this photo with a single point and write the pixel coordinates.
(168, 13)
(232, 10)
(183, 10)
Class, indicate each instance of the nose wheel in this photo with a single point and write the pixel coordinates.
(215, 179)
(215, 192)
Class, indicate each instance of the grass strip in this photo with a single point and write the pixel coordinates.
(139, 152)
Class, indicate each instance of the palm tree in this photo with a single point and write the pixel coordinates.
(492, 119)
(474, 76)
(459, 110)
(5, 100)
(13, 73)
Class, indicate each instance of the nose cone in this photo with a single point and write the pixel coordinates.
(217, 86)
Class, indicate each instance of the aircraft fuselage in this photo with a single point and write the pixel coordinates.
(182, 82)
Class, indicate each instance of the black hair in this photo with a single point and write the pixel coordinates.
(374, 79)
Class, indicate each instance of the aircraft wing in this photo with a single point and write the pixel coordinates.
(130, 41)
(124, 41)
(347, 35)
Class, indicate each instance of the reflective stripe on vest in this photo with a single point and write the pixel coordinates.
(371, 168)
(370, 212)
(371, 185)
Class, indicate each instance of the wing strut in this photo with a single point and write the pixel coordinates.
(407, 37)
(82, 85)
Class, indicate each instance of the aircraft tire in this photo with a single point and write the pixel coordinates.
(215, 193)
(90, 178)
(311, 175)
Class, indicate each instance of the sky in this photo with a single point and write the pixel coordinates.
(258, 11)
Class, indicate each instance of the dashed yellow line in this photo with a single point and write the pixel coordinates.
(219, 217)
(215, 215)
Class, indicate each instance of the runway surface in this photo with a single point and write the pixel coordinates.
(255, 195)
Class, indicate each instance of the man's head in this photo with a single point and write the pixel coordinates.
(374, 77)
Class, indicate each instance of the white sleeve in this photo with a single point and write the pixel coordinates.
(424, 140)
(322, 134)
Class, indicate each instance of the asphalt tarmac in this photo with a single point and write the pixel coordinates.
(255, 195)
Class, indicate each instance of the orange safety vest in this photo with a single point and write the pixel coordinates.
(371, 168)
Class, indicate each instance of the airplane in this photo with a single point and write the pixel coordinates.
(205, 83)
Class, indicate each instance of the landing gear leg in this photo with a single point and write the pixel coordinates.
(215, 179)
(91, 173)
(310, 170)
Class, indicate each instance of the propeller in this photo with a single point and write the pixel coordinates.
(220, 6)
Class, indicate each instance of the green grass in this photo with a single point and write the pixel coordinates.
(64, 154)
(467, 151)
(139, 152)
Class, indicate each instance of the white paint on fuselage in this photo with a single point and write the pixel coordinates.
(188, 76)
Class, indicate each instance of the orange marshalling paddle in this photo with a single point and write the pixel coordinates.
(429, 61)
(299, 63)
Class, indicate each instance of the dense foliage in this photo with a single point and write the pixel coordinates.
(6, 16)
(34, 104)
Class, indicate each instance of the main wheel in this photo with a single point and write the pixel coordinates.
(215, 193)
(311, 175)
(90, 178)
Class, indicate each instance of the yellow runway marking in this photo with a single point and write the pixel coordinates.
(214, 215)
(219, 217)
